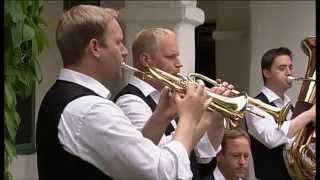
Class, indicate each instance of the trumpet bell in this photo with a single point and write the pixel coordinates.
(279, 114)
(230, 107)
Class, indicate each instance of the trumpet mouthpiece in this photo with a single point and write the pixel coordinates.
(125, 66)
(291, 78)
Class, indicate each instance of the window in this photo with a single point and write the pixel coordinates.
(25, 138)
(205, 50)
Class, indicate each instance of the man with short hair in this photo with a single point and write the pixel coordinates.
(267, 140)
(157, 47)
(81, 134)
(232, 160)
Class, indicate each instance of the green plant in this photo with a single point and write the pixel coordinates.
(24, 41)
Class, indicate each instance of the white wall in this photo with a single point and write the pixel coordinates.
(275, 24)
(232, 40)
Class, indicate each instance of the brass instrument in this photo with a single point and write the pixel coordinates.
(300, 155)
(279, 114)
(291, 78)
(233, 108)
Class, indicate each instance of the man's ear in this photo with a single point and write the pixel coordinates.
(145, 59)
(219, 156)
(266, 73)
(94, 48)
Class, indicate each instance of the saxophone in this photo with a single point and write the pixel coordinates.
(300, 155)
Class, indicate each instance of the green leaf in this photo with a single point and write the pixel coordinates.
(22, 78)
(7, 55)
(10, 74)
(11, 122)
(28, 32)
(10, 149)
(17, 57)
(9, 155)
(35, 8)
(41, 39)
(35, 51)
(24, 41)
(14, 10)
(10, 96)
(37, 70)
(17, 34)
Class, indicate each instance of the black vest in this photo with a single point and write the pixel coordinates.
(268, 163)
(53, 161)
(198, 170)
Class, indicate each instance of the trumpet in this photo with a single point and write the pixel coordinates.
(292, 78)
(233, 108)
(279, 114)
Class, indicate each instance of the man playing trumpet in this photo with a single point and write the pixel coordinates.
(157, 47)
(267, 140)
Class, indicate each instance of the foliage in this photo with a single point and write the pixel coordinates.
(24, 41)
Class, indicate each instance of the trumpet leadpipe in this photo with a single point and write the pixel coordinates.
(124, 65)
(292, 78)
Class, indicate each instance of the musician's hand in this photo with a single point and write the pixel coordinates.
(223, 88)
(312, 113)
(212, 117)
(166, 106)
(191, 104)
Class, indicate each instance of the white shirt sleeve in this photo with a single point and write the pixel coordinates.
(137, 111)
(97, 131)
(204, 150)
(266, 130)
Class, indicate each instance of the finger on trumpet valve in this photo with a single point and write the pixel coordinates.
(218, 81)
(200, 82)
(207, 102)
(230, 86)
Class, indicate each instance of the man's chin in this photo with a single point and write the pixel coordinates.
(241, 173)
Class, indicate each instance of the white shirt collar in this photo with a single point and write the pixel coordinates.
(145, 87)
(273, 97)
(84, 80)
(217, 174)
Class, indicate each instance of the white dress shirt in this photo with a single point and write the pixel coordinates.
(217, 174)
(265, 129)
(139, 112)
(96, 130)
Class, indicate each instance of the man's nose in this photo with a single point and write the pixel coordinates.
(289, 71)
(124, 51)
(242, 160)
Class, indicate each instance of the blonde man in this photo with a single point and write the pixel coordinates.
(157, 47)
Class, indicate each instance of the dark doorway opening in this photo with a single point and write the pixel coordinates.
(67, 4)
(205, 50)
